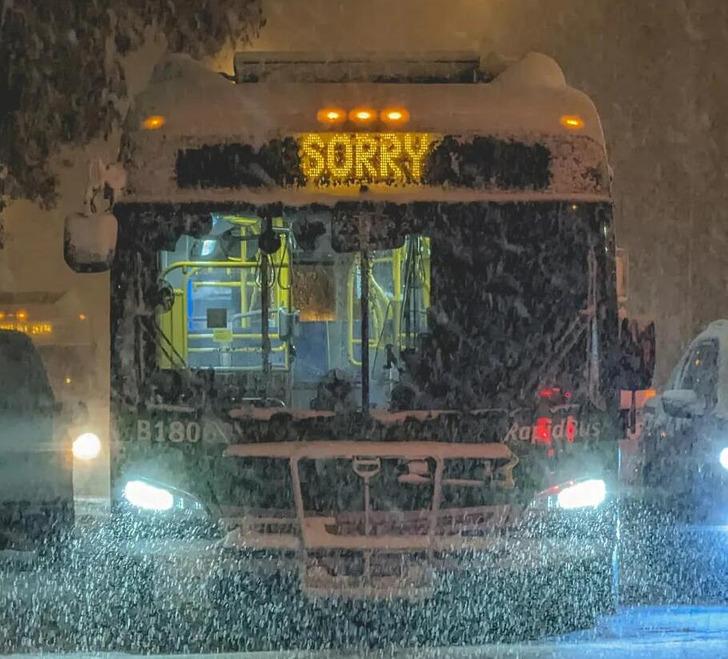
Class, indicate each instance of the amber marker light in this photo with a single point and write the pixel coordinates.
(572, 121)
(153, 122)
(394, 116)
(331, 116)
(362, 115)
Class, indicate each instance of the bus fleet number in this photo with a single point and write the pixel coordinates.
(170, 431)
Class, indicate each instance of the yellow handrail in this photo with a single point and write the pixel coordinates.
(232, 265)
(382, 300)
(282, 295)
(238, 349)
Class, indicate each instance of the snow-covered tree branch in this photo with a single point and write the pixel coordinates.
(61, 78)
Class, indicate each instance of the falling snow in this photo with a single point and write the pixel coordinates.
(385, 411)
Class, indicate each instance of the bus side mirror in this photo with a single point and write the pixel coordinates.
(89, 241)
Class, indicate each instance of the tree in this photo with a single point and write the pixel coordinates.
(61, 77)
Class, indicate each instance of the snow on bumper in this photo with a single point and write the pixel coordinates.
(398, 551)
(411, 574)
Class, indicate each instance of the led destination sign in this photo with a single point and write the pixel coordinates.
(364, 157)
(349, 159)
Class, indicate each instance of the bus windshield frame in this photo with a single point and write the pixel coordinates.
(365, 236)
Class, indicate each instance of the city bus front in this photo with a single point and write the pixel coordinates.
(369, 327)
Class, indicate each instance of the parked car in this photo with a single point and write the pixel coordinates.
(36, 466)
(686, 434)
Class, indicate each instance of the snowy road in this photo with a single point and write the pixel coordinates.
(675, 590)
(644, 632)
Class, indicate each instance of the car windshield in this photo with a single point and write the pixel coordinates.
(24, 386)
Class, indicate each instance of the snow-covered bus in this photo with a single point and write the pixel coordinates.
(364, 318)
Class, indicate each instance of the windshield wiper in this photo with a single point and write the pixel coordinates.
(160, 338)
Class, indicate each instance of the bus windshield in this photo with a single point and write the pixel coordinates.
(466, 306)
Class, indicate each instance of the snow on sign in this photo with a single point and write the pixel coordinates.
(364, 157)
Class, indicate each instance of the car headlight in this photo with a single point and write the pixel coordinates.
(724, 458)
(572, 495)
(86, 446)
(148, 497)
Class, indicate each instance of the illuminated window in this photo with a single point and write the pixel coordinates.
(399, 297)
(215, 316)
(208, 247)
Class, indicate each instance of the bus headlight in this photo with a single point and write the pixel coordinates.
(148, 497)
(724, 458)
(586, 494)
(86, 446)
(573, 495)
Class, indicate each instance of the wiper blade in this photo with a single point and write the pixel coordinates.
(159, 338)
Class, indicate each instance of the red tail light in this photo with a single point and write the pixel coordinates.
(542, 431)
(549, 392)
(570, 429)
(554, 393)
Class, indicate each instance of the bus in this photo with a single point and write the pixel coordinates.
(364, 320)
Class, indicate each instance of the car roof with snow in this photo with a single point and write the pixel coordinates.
(717, 330)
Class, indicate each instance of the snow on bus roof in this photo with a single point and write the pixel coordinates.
(366, 66)
(528, 98)
(526, 104)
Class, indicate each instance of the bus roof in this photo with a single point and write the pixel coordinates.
(210, 121)
(261, 66)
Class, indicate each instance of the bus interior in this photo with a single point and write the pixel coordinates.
(460, 320)
(314, 330)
